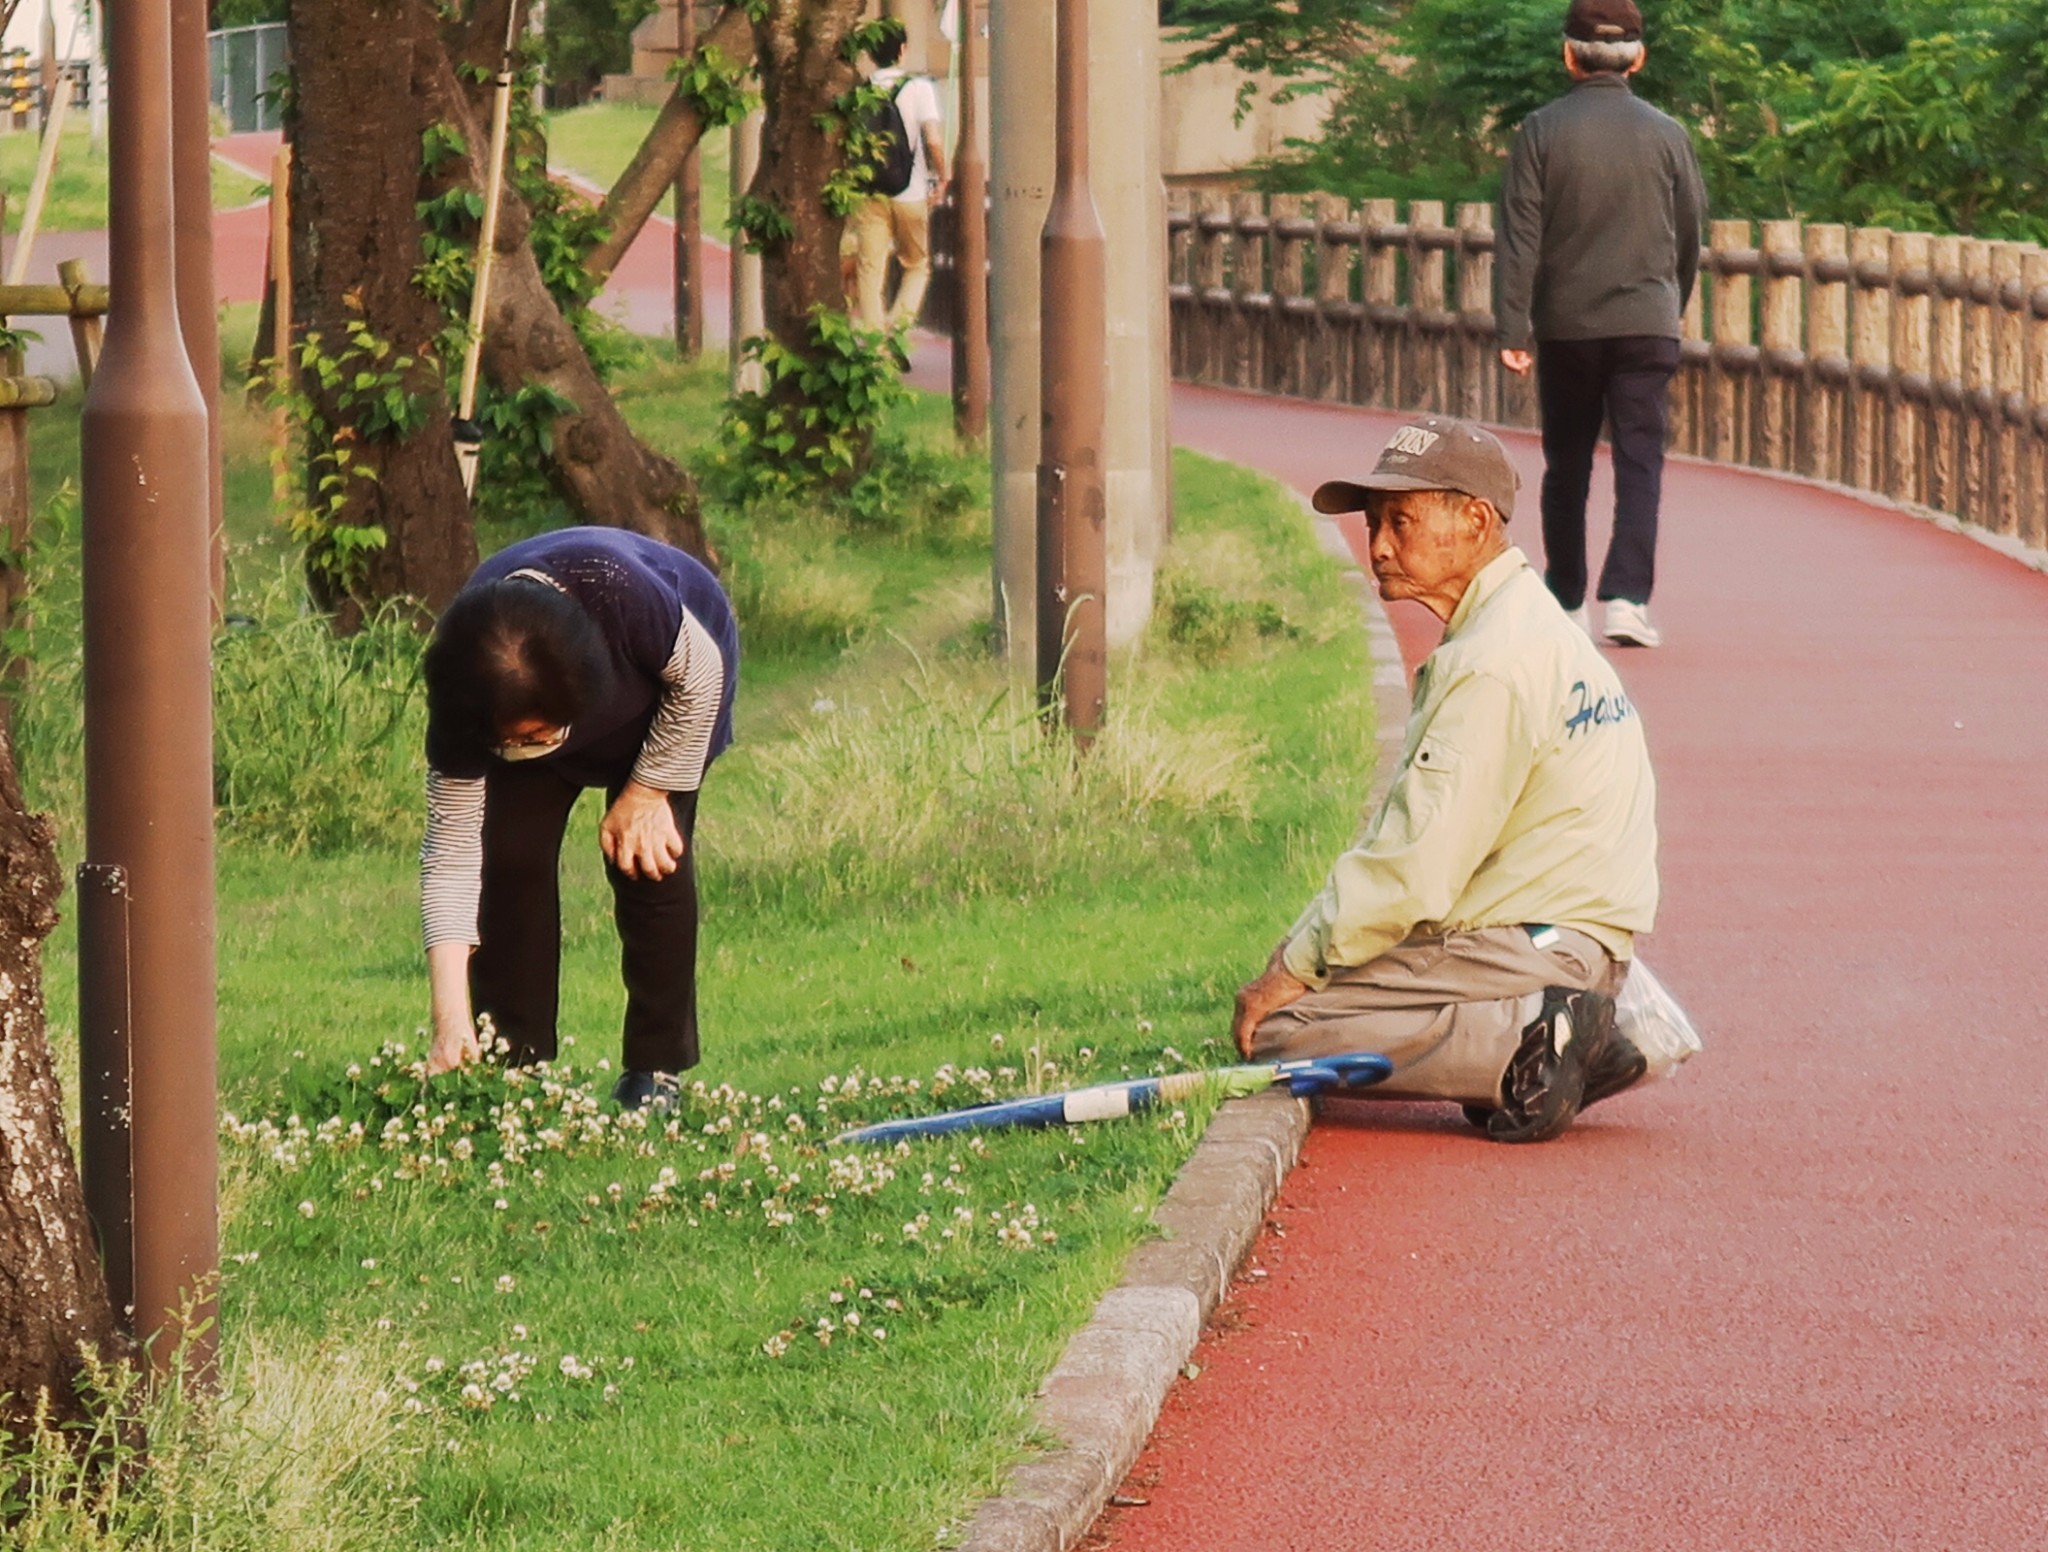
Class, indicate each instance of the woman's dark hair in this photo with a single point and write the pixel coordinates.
(505, 652)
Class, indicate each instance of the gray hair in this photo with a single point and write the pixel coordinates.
(1604, 58)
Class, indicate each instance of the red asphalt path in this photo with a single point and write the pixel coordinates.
(1797, 1297)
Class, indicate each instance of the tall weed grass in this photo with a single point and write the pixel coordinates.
(954, 786)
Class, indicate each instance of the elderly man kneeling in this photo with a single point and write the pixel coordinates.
(1479, 929)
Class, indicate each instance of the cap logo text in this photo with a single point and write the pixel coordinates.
(1413, 440)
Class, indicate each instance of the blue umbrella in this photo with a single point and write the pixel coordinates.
(1106, 1101)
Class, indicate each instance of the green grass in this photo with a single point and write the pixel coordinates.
(597, 141)
(912, 900)
(77, 200)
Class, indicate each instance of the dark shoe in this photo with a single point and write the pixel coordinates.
(1480, 1116)
(638, 1090)
(1621, 1066)
(1545, 1084)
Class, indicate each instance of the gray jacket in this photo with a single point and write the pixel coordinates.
(1601, 210)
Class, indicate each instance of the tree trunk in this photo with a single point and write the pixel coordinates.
(799, 48)
(596, 462)
(677, 130)
(53, 1295)
(355, 130)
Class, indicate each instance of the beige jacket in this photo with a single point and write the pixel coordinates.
(1524, 794)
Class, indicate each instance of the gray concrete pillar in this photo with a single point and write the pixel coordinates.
(1125, 171)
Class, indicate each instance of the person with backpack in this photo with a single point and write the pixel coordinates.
(906, 171)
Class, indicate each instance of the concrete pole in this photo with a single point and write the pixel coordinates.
(689, 235)
(749, 304)
(1020, 90)
(1074, 379)
(1124, 102)
(198, 308)
(970, 264)
(146, 964)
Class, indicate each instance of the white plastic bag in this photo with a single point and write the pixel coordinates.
(1654, 1022)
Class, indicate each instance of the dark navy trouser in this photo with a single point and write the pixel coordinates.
(1624, 382)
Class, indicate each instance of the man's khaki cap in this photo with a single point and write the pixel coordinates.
(1433, 453)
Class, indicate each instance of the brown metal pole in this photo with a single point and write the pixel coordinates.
(689, 258)
(148, 723)
(970, 261)
(198, 307)
(1073, 388)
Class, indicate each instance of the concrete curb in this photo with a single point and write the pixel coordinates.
(1103, 1396)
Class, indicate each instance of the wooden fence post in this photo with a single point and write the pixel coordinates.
(1827, 352)
(1689, 388)
(1912, 364)
(1870, 347)
(1212, 288)
(1475, 395)
(1287, 326)
(1335, 341)
(1781, 263)
(1980, 401)
(1181, 316)
(1947, 411)
(1729, 307)
(1427, 384)
(1381, 285)
(1248, 227)
(2034, 435)
(2009, 384)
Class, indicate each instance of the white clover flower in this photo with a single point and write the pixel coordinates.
(435, 1365)
(519, 1333)
(776, 1345)
(307, 1209)
(499, 1205)
(611, 1392)
(369, 1263)
(506, 1283)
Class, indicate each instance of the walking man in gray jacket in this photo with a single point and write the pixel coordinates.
(1599, 245)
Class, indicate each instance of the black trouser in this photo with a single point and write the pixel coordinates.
(1580, 383)
(515, 973)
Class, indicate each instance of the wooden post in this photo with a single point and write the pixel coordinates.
(1980, 403)
(1729, 308)
(2008, 384)
(1183, 303)
(1912, 364)
(1870, 348)
(1427, 380)
(85, 327)
(2034, 435)
(1945, 429)
(1778, 428)
(1334, 264)
(1287, 330)
(1473, 348)
(1249, 292)
(1381, 267)
(1827, 353)
(1212, 285)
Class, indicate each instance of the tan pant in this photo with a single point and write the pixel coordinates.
(882, 226)
(1449, 1011)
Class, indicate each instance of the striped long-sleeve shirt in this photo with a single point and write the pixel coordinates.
(673, 652)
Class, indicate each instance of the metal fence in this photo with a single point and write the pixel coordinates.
(1909, 365)
(244, 62)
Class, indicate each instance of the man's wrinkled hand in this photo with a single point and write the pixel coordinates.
(1517, 361)
(639, 835)
(1259, 999)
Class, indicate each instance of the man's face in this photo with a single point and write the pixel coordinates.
(1424, 544)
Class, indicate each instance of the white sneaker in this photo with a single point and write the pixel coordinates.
(1580, 618)
(1629, 624)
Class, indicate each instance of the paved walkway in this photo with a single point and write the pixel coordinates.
(1797, 1297)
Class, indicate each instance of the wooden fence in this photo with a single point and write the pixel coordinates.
(1897, 362)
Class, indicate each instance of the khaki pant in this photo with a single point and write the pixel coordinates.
(882, 226)
(1449, 1011)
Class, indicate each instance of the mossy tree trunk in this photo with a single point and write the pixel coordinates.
(53, 1294)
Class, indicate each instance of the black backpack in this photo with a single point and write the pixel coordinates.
(890, 160)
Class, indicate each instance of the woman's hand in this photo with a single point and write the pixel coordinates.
(455, 1043)
(639, 835)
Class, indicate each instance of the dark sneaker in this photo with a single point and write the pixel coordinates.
(1545, 1084)
(638, 1090)
(1620, 1066)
